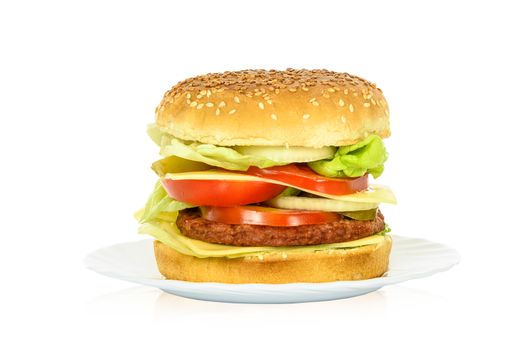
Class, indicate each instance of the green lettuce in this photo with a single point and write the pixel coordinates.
(367, 156)
(158, 202)
(155, 134)
(169, 234)
(222, 157)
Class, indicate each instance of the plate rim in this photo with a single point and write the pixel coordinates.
(313, 286)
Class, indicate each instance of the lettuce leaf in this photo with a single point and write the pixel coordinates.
(365, 156)
(158, 202)
(349, 161)
(222, 157)
(155, 134)
(169, 234)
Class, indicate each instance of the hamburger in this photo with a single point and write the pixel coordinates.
(264, 178)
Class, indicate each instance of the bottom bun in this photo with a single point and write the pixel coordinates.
(277, 267)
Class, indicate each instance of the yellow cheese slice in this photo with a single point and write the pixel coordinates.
(374, 194)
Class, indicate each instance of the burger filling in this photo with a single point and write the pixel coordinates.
(210, 199)
(193, 225)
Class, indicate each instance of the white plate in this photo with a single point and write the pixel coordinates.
(134, 261)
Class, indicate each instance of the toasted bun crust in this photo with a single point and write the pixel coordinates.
(320, 266)
(310, 108)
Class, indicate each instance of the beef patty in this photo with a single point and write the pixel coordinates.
(194, 226)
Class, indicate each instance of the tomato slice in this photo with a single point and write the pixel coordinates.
(302, 176)
(220, 192)
(254, 215)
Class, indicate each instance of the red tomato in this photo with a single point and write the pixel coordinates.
(254, 215)
(301, 175)
(220, 192)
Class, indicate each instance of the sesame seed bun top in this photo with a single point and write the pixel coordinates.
(310, 108)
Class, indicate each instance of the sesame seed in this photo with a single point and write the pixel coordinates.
(222, 104)
(274, 117)
(200, 105)
(217, 111)
(261, 105)
(193, 104)
(209, 104)
(260, 257)
(232, 111)
(269, 102)
(284, 255)
(252, 83)
(343, 119)
(341, 103)
(366, 104)
(351, 108)
(315, 103)
(312, 100)
(306, 116)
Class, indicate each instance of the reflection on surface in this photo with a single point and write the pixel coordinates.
(162, 306)
(168, 305)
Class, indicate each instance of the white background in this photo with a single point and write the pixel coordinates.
(79, 82)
